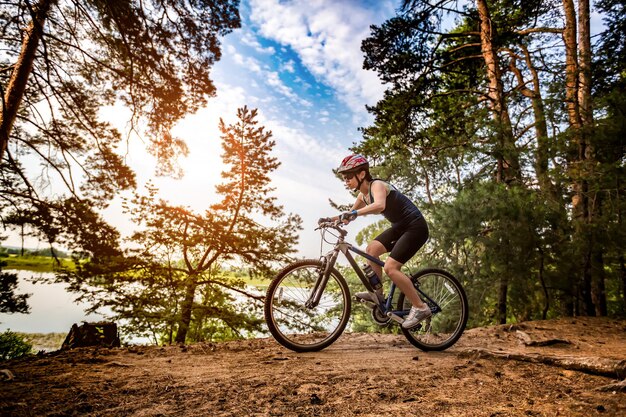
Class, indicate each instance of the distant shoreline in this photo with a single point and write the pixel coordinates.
(47, 342)
(34, 263)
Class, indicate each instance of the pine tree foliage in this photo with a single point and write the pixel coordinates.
(172, 284)
(523, 188)
(63, 62)
(10, 301)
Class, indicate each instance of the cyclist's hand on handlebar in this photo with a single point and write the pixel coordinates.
(324, 220)
(348, 216)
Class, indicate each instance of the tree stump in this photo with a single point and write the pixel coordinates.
(92, 334)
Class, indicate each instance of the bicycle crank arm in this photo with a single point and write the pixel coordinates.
(395, 317)
(362, 301)
(366, 302)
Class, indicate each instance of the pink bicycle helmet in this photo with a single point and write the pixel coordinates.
(353, 163)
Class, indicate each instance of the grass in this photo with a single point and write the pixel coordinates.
(44, 341)
(254, 282)
(35, 263)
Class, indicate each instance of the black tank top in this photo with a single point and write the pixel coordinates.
(398, 208)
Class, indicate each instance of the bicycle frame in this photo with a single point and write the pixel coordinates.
(308, 303)
(386, 307)
(329, 261)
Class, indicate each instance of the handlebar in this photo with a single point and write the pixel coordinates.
(336, 225)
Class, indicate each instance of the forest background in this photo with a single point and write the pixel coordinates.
(505, 118)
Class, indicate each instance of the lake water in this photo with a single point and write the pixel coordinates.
(52, 308)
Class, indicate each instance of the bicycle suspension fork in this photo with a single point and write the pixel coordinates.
(328, 263)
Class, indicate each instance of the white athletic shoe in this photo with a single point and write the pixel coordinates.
(415, 317)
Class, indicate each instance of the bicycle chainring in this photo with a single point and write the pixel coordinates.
(378, 316)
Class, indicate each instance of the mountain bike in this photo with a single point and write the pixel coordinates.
(307, 305)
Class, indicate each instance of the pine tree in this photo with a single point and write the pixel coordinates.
(65, 60)
(173, 285)
(10, 302)
(442, 128)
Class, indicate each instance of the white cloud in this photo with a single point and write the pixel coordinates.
(327, 35)
(302, 83)
(247, 62)
(304, 182)
(271, 78)
(288, 66)
(248, 38)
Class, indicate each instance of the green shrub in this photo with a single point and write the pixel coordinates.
(13, 345)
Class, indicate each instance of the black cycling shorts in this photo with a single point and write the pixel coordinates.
(404, 241)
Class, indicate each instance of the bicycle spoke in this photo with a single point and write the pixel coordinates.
(446, 325)
(297, 326)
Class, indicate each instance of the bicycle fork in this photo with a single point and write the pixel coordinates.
(328, 262)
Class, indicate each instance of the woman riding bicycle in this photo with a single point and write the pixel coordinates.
(407, 234)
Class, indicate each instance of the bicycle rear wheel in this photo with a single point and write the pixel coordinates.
(291, 322)
(448, 321)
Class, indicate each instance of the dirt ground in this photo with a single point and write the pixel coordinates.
(361, 374)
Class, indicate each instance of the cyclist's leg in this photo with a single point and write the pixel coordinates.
(375, 249)
(392, 269)
(381, 244)
(412, 239)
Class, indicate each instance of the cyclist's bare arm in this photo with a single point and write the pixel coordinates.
(359, 203)
(379, 193)
(359, 208)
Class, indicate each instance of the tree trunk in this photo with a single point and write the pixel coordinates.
(186, 309)
(585, 158)
(622, 270)
(573, 109)
(607, 367)
(21, 70)
(543, 144)
(544, 150)
(571, 68)
(598, 292)
(587, 307)
(584, 64)
(546, 294)
(598, 288)
(622, 260)
(508, 166)
(576, 36)
(502, 294)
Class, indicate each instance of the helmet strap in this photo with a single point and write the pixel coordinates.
(359, 181)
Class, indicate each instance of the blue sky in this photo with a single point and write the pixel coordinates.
(299, 62)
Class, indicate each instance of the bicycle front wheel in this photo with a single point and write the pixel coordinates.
(445, 296)
(292, 322)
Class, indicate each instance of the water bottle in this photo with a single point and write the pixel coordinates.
(371, 275)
